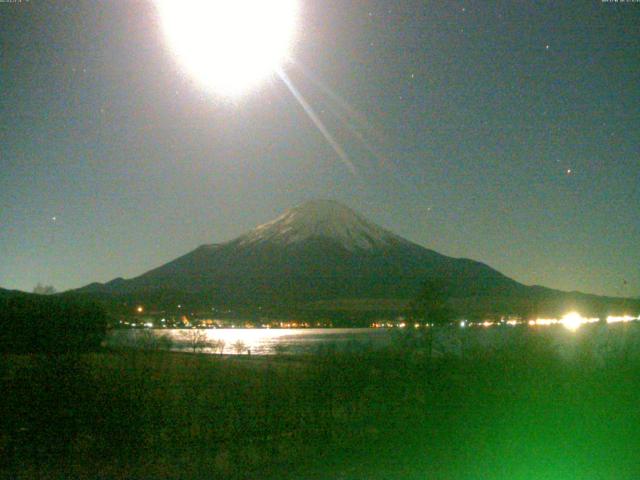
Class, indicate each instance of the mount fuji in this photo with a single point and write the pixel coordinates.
(322, 255)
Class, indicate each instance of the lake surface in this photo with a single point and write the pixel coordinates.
(602, 339)
(259, 341)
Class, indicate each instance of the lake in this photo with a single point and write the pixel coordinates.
(602, 339)
(258, 341)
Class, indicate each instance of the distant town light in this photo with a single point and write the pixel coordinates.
(573, 320)
(139, 309)
(623, 319)
(544, 321)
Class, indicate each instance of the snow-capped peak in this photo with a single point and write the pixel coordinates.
(321, 219)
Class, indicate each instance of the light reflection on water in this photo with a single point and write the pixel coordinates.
(260, 341)
(604, 339)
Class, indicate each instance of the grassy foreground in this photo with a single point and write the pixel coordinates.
(516, 414)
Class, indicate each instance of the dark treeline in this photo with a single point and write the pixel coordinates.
(53, 324)
(436, 301)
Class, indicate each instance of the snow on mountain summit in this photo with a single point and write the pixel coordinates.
(321, 219)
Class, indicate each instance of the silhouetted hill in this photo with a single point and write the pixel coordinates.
(49, 323)
(7, 293)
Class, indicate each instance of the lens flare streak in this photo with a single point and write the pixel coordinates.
(354, 121)
(317, 121)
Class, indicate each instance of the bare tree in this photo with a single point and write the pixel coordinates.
(197, 339)
(148, 340)
(432, 304)
(44, 289)
(239, 347)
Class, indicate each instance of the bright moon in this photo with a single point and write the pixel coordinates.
(229, 46)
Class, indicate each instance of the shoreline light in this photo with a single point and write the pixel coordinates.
(573, 320)
(622, 319)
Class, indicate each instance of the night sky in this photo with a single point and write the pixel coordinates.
(506, 132)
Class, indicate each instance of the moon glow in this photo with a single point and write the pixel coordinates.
(229, 46)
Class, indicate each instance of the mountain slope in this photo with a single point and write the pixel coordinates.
(320, 251)
(321, 219)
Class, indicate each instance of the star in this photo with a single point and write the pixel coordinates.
(569, 171)
(546, 47)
